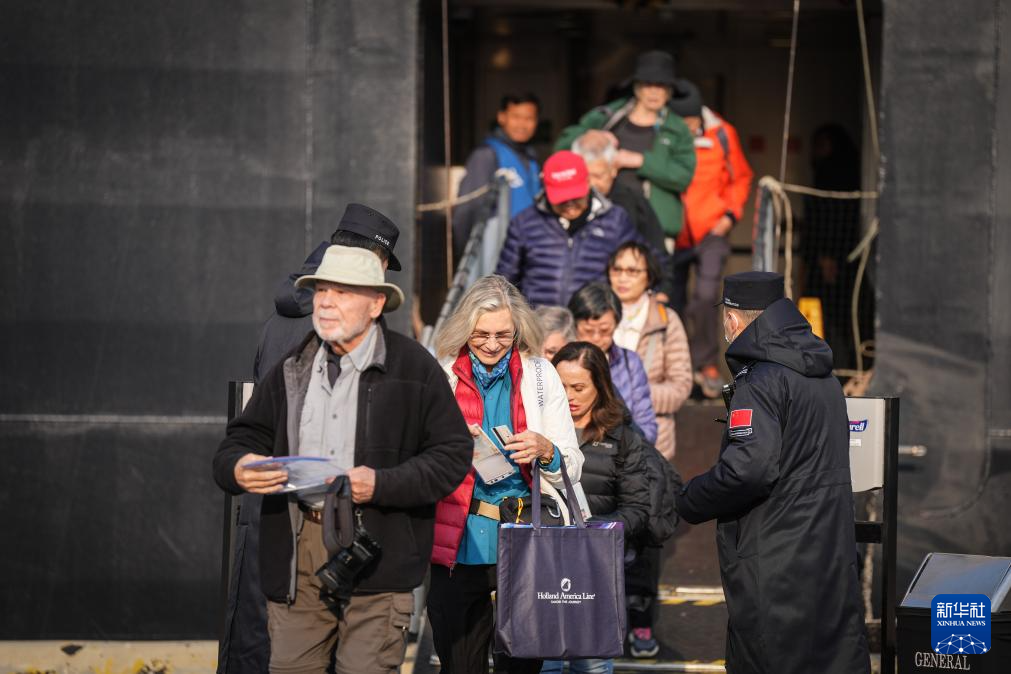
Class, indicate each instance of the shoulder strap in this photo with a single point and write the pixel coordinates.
(651, 350)
(570, 495)
(721, 135)
(655, 337)
(338, 520)
(617, 115)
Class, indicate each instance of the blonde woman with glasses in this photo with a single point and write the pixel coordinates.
(488, 349)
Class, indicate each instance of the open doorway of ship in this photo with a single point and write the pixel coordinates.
(575, 54)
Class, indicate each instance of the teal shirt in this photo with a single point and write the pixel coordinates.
(479, 544)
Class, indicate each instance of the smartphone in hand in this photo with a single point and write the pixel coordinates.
(503, 434)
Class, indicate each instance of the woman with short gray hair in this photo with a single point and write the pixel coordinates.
(489, 348)
(559, 329)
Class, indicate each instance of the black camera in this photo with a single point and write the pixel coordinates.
(351, 548)
(340, 575)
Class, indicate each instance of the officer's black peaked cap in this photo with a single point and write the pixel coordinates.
(752, 290)
(370, 223)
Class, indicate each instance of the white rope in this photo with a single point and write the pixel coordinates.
(863, 249)
(783, 212)
(449, 203)
(827, 194)
(865, 242)
(872, 117)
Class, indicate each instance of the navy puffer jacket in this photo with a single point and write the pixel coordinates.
(546, 264)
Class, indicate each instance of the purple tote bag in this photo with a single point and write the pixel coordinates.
(561, 590)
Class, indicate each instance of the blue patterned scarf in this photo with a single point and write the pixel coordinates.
(482, 376)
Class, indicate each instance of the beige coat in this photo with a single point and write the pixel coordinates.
(663, 348)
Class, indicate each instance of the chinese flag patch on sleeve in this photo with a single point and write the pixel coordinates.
(740, 418)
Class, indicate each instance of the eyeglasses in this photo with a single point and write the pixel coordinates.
(594, 333)
(482, 338)
(627, 271)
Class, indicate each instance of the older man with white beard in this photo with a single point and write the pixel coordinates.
(376, 404)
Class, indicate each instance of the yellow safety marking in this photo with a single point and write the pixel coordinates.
(675, 601)
(693, 596)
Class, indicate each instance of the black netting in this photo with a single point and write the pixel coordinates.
(826, 232)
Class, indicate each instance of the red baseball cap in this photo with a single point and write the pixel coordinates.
(565, 177)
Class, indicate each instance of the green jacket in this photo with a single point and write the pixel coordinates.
(667, 168)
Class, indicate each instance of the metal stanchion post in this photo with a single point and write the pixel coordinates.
(889, 547)
(236, 401)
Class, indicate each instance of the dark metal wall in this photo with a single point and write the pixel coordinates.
(162, 164)
(944, 271)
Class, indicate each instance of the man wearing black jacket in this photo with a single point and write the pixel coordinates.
(376, 404)
(782, 495)
(244, 647)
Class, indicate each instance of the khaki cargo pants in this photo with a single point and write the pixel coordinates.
(371, 637)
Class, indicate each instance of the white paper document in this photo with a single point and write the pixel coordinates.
(489, 462)
(304, 472)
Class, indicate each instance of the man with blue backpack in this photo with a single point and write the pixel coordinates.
(508, 147)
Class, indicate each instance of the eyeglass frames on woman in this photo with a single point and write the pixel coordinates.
(482, 338)
(627, 271)
(586, 333)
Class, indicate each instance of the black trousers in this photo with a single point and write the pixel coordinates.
(463, 618)
(642, 580)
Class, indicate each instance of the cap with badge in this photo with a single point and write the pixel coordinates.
(371, 224)
(752, 290)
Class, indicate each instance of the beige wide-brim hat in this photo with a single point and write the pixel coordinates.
(354, 267)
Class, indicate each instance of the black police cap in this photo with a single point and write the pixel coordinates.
(752, 290)
(370, 223)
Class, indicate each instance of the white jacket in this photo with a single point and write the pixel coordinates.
(547, 411)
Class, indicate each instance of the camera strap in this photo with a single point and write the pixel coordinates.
(338, 516)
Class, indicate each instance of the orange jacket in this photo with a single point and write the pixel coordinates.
(721, 183)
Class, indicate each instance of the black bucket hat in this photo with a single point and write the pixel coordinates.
(655, 67)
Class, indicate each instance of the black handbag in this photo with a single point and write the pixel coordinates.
(519, 510)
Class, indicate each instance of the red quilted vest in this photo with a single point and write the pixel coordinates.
(451, 512)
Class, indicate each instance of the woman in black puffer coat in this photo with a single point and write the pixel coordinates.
(613, 472)
(613, 477)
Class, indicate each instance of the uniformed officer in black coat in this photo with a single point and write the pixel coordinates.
(781, 493)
